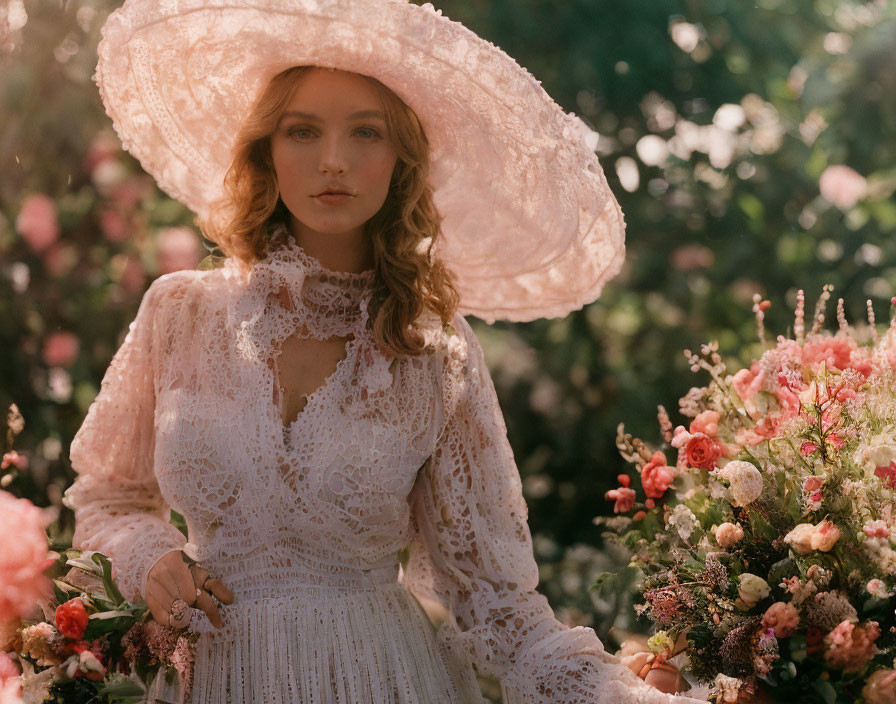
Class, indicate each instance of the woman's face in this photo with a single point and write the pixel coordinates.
(333, 136)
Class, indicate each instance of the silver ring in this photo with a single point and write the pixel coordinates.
(179, 613)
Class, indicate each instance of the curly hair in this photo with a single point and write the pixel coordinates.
(409, 279)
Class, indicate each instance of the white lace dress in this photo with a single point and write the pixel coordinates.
(305, 523)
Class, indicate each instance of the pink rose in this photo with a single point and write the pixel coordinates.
(782, 618)
(812, 484)
(800, 538)
(38, 222)
(825, 536)
(706, 423)
(849, 647)
(179, 248)
(24, 557)
(72, 618)
(61, 349)
(702, 452)
(842, 186)
(656, 476)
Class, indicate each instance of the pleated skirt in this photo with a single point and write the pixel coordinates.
(324, 646)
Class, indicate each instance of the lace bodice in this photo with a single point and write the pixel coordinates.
(388, 453)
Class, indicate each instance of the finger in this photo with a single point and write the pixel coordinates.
(200, 575)
(219, 589)
(205, 602)
(183, 581)
(161, 592)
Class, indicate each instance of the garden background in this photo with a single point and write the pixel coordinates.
(751, 145)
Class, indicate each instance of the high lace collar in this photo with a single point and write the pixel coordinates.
(290, 291)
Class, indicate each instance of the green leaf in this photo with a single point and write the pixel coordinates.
(824, 689)
(111, 590)
(121, 690)
(609, 584)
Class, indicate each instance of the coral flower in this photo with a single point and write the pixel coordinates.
(782, 618)
(624, 498)
(701, 452)
(656, 476)
(849, 646)
(825, 536)
(72, 618)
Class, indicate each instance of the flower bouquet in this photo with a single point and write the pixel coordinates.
(94, 646)
(763, 532)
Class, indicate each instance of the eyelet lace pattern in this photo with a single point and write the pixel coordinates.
(410, 451)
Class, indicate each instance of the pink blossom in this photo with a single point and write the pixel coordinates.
(834, 351)
(876, 587)
(747, 382)
(14, 459)
(842, 186)
(103, 147)
(807, 448)
(887, 474)
(656, 476)
(812, 484)
(729, 534)
(825, 536)
(10, 691)
(624, 498)
(849, 647)
(876, 529)
(23, 558)
(782, 618)
(59, 259)
(702, 452)
(179, 248)
(61, 349)
(38, 222)
(707, 423)
(690, 257)
(115, 227)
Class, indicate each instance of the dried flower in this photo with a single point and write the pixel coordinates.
(38, 642)
(849, 646)
(827, 609)
(746, 482)
(729, 534)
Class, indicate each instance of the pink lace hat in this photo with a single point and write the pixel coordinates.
(531, 228)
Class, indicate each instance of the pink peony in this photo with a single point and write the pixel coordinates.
(842, 186)
(179, 248)
(38, 222)
(782, 618)
(825, 536)
(849, 647)
(24, 556)
(61, 349)
(880, 687)
(707, 423)
(656, 476)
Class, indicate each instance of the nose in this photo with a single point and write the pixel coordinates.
(333, 158)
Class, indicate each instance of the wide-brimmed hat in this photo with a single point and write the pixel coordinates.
(530, 226)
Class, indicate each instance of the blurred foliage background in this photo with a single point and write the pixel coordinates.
(751, 145)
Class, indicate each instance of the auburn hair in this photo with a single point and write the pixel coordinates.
(408, 279)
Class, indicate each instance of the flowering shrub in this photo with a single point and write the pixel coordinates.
(769, 544)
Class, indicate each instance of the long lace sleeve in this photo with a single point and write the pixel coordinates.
(119, 509)
(472, 551)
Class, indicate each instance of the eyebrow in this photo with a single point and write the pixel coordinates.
(361, 114)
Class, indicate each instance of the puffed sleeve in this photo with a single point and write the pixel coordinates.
(471, 550)
(119, 509)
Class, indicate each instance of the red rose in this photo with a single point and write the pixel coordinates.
(702, 452)
(71, 618)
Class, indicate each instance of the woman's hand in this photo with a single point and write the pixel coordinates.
(171, 577)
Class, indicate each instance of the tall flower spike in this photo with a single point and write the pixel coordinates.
(841, 316)
(820, 307)
(871, 321)
(760, 317)
(799, 325)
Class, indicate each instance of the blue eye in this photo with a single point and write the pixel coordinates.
(298, 130)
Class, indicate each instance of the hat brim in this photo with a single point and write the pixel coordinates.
(531, 228)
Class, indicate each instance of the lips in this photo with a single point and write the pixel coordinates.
(333, 192)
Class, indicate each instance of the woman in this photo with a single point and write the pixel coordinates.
(318, 404)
